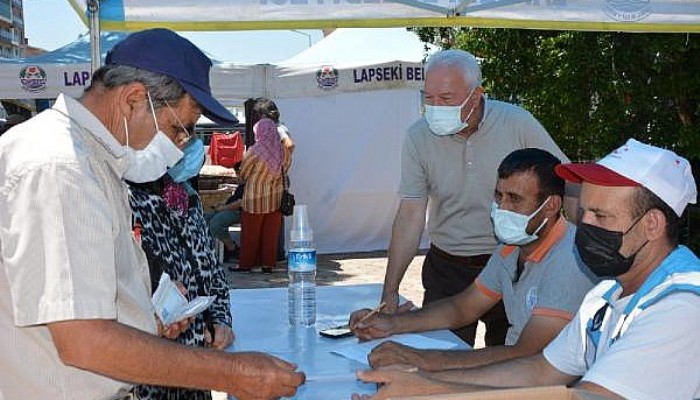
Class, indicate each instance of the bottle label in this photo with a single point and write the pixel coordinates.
(301, 261)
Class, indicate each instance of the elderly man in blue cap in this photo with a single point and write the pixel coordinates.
(75, 307)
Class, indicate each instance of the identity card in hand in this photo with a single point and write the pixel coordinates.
(172, 306)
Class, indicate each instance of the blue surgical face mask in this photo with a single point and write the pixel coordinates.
(511, 227)
(447, 120)
(191, 162)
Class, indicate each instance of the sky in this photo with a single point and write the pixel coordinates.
(50, 24)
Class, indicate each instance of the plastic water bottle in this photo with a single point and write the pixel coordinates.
(302, 270)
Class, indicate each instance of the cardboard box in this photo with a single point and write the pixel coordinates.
(535, 393)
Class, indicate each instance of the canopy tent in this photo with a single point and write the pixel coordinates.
(64, 70)
(390, 58)
(67, 70)
(348, 122)
(187, 15)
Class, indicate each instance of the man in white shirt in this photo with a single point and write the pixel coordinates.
(75, 308)
(635, 336)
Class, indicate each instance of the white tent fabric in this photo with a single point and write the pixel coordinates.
(64, 70)
(613, 15)
(67, 70)
(346, 169)
(363, 46)
(348, 156)
(352, 60)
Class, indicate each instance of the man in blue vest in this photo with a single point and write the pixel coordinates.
(635, 335)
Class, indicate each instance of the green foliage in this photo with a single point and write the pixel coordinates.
(592, 90)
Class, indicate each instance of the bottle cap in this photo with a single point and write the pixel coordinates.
(300, 225)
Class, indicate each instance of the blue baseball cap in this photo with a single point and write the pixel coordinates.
(165, 52)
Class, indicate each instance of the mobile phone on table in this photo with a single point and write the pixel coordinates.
(336, 332)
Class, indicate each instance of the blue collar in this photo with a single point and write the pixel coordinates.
(680, 260)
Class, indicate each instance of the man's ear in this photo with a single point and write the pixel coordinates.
(131, 97)
(654, 224)
(553, 206)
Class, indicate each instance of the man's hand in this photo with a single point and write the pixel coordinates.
(175, 329)
(396, 382)
(392, 353)
(223, 337)
(261, 376)
(376, 326)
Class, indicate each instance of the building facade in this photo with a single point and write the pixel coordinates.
(12, 40)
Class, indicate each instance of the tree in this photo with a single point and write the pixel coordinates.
(592, 90)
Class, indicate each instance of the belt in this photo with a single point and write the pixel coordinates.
(479, 260)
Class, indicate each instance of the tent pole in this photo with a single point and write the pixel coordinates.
(94, 13)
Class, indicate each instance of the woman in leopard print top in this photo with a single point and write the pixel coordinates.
(176, 240)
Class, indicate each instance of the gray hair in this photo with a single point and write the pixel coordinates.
(461, 59)
(161, 87)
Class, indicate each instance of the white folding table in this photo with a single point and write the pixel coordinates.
(260, 323)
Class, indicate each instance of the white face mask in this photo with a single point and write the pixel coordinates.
(511, 227)
(447, 120)
(153, 161)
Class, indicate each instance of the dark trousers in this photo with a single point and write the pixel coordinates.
(445, 275)
(259, 236)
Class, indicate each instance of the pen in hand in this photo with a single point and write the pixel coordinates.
(371, 313)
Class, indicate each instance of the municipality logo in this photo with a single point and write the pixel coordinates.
(327, 77)
(32, 78)
(628, 10)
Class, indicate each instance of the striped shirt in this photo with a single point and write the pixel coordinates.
(263, 187)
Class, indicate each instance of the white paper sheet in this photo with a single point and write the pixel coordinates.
(359, 351)
(172, 306)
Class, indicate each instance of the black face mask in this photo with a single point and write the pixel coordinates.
(600, 250)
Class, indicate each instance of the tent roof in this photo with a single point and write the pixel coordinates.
(77, 52)
(218, 15)
(360, 46)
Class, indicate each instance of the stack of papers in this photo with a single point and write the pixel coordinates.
(172, 306)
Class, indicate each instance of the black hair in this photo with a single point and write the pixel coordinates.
(644, 200)
(541, 163)
(255, 110)
(249, 122)
(266, 108)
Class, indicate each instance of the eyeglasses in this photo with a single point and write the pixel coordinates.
(188, 132)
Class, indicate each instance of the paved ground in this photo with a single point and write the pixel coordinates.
(342, 269)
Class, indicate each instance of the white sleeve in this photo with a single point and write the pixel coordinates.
(566, 351)
(60, 247)
(657, 358)
(283, 131)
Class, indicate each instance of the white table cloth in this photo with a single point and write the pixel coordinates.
(260, 323)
